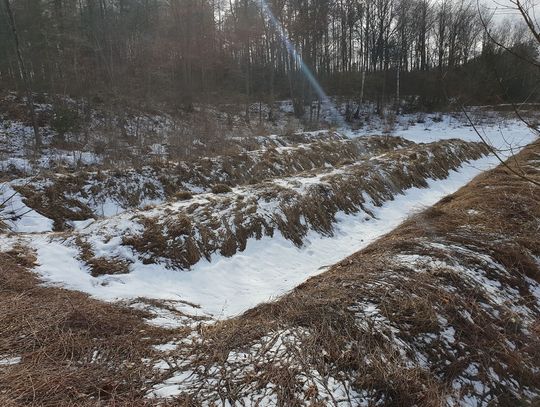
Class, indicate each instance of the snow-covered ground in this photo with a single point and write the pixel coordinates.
(501, 133)
(16, 214)
(269, 267)
(224, 287)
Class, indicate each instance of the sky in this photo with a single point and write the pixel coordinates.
(506, 9)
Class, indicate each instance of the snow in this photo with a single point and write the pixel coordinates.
(18, 216)
(58, 263)
(172, 386)
(9, 360)
(109, 208)
(225, 287)
(507, 135)
(165, 347)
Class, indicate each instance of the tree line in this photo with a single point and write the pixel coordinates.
(178, 52)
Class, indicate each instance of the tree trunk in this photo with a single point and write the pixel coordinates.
(26, 79)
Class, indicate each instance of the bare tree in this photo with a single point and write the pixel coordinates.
(179, 52)
(26, 79)
(525, 13)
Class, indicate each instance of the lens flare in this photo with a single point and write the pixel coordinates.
(291, 49)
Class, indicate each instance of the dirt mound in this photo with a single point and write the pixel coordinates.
(445, 310)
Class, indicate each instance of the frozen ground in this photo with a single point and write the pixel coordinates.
(225, 287)
(269, 267)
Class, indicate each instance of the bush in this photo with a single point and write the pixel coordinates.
(183, 195)
(221, 189)
(65, 120)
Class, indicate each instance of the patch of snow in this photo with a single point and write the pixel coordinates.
(166, 347)
(9, 360)
(82, 224)
(509, 136)
(18, 216)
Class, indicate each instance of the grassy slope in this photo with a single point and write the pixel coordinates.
(440, 310)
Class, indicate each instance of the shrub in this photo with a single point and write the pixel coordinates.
(183, 195)
(65, 120)
(221, 189)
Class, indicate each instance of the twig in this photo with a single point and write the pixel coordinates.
(494, 151)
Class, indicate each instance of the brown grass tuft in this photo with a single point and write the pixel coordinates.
(221, 189)
(74, 350)
(183, 195)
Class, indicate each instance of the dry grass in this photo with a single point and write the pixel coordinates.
(53, 203)
(224, 225)
(183, 195)
(80, 352)
(100, 266)
(57, 197)
(221, 189)
(75, 351)
(400, 355)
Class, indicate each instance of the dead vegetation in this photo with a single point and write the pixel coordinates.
(180, 237)
(80, 195)
(100, 266)
(221, 189)
(53, 202)
(74, 351)
(442, 311)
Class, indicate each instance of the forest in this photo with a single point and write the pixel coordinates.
(419, 53)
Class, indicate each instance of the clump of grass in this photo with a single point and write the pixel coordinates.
(101, 266)
(183, 195)
(221, 189)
